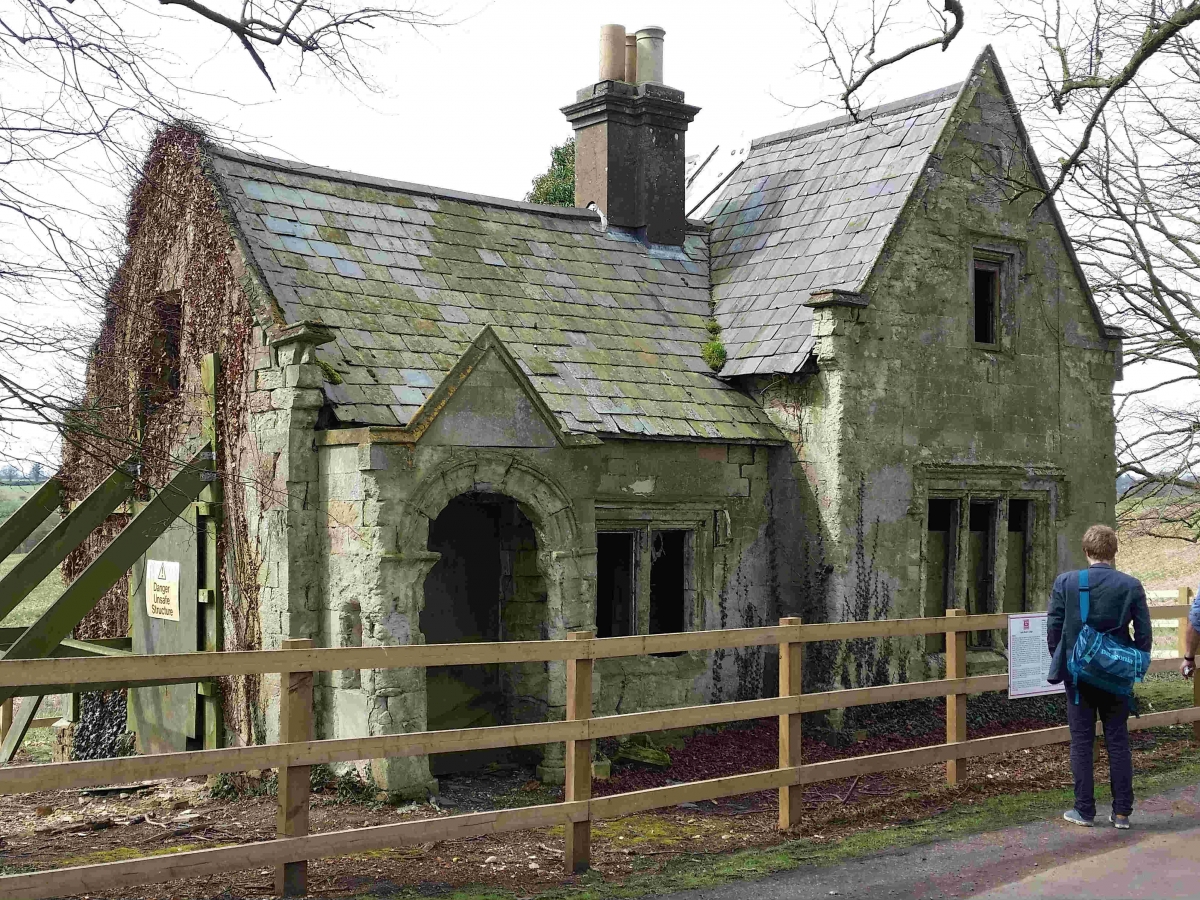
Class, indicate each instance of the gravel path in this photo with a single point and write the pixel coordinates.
(1159, 857)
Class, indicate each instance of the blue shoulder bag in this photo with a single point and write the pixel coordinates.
(1101, 660)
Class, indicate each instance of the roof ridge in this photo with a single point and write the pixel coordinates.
(271, 162)
(950, 90)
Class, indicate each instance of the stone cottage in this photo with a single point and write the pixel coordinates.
(872, 381)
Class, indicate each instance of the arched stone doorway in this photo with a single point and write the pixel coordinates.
(486, 586)
(565, 564)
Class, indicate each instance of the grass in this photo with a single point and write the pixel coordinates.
(39, 598)
(12, 496)
(38, 742)
(27, 611)
(694, 871)
(1159, 693)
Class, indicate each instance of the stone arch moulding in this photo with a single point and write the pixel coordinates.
(540, 497)
(566, 558)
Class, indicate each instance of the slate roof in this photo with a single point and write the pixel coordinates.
(608, 331)
(811, 209)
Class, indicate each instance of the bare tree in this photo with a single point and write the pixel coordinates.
(1094, 53)
(1109, 91)
(1135, 206)
(848, 46)
(1090, 52)
(86, 82)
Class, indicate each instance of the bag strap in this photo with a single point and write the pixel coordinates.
(1085, 597)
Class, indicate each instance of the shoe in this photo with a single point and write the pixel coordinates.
(1121, 822)
(1077, 818)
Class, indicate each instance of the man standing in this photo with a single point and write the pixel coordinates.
(1117, 600)
(1188, 667)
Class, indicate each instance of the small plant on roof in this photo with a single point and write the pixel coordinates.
(713, 351)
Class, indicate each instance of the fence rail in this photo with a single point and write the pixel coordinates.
(297, 750)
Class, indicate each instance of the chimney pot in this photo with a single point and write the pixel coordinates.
(612, 52)
(650, 55)
(629, 140)
(631, 58)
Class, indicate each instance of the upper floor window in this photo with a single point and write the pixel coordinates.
(986, 294)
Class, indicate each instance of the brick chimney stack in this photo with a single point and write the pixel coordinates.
(629, 147)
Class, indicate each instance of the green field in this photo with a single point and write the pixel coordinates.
(38, 742)
(11, 498)
(37, 602)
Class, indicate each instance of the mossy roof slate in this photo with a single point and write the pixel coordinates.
(810, 209)
(607, 330)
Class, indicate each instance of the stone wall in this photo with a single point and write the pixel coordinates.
(908, 406)
(377, 502)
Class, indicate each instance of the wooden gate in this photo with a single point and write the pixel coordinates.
(178, 524)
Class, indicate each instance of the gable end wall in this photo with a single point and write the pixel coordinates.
(919, 407)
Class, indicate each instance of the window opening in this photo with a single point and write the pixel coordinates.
(987, 295)
(160, 373)
(1018, 556)
(615, 574)
(668, 581)
(941, 546)
(981, 547)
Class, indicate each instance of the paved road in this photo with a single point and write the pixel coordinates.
(1159, 858)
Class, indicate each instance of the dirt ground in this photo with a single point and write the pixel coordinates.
(65, 828)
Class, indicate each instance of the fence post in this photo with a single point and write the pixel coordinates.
(295, 724)
(1181, 633)
(790, 685)
(6, 718)
(956, 704)
(579, 758)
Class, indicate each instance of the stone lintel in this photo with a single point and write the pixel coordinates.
(824, 297)
(307, 332)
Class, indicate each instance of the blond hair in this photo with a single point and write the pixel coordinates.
(1100, 542)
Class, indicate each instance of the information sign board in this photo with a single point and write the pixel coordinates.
(162, 589)
(1028, 657)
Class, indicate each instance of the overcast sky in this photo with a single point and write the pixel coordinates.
(474, 105)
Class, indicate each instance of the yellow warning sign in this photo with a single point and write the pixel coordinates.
(162, 589)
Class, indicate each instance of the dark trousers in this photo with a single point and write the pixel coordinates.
(1113, 711)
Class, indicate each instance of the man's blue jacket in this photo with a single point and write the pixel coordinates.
(1117, 601)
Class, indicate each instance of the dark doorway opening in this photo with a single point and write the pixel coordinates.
(941, 551)
(615, 574)
(1018, 555)
(485, 587)
(981, 567)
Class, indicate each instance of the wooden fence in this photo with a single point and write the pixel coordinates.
(1169, 633)
(297, 750)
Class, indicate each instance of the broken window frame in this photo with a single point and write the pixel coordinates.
(1007, 258)
(698, 531)
(1035, 537)
(987, 263)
